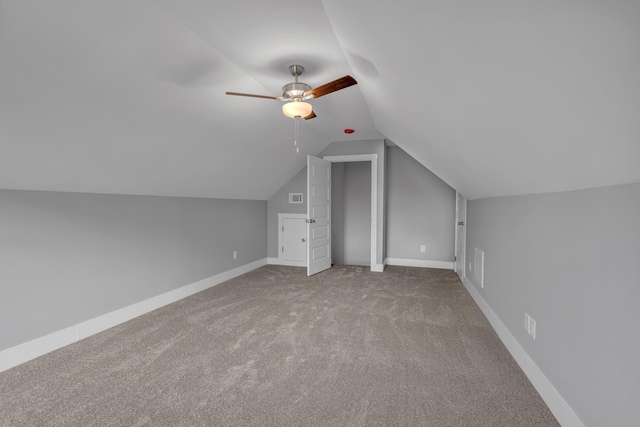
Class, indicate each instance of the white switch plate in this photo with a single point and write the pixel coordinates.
(235, 254)
(423, 248)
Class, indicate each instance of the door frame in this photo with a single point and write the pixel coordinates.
(281, 261)
(373, 158)
(461, 234)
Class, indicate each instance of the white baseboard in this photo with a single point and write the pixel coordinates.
(419, 263)
(556, 403)
(290, 263)
(287, 262)
(378, 268)
(30, 350)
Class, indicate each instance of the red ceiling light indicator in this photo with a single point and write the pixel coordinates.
(349, 131)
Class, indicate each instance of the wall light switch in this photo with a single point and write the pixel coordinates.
(235, 254)
(423, 248)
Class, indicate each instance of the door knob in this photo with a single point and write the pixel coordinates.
(303, 239)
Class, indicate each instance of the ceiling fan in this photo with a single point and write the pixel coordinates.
(296, 93)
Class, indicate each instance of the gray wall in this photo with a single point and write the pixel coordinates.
(279, 203)
(352, 213)
(420, 210)
(69, 257)
(570, 261)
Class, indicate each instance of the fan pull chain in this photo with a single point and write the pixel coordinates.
(295, 138)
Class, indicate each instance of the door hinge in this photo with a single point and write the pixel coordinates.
(455, 258)
(283, 249)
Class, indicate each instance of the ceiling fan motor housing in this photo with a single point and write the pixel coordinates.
(294, 90)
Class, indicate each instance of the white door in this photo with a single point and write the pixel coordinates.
(318, 215)
(461, 218)
(294, 246)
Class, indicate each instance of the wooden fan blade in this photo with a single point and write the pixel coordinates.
(333, 86)
(251, 95)
(310, 116)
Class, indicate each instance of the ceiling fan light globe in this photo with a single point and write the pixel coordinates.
(297, 109)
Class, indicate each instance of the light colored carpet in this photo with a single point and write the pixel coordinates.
(347, 347)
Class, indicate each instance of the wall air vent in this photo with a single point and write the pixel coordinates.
(295, 197)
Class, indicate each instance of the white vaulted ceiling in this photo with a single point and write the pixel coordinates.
(495, 97)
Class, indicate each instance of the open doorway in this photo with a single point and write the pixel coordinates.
(370, 218)
(350, 213)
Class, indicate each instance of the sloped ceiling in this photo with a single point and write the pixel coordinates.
(495, 97)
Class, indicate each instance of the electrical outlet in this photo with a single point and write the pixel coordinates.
(532, 328)
(235, 254)
(423, 248)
